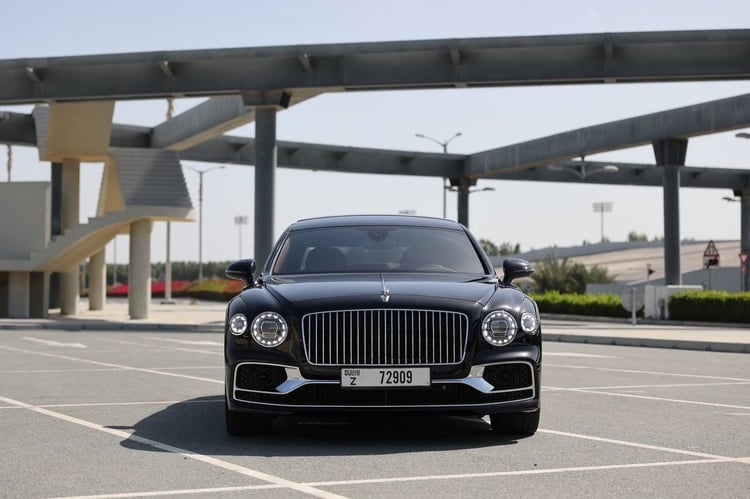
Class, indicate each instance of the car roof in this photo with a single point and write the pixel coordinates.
(357, 220)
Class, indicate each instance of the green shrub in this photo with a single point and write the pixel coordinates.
(711, 306)
(600, 305)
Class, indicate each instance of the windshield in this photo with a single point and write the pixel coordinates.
(377, 249)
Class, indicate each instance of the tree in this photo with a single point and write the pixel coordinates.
(504, 249)
(561, 275)
(635, 236)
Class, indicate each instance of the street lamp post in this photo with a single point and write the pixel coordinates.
(444, 145)
(239, 221)
(602, 207)
(200, 215)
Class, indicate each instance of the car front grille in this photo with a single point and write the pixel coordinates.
(377, 337)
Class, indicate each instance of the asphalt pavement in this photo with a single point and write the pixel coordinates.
(205, 316)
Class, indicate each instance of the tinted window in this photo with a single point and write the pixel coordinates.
(377, 249)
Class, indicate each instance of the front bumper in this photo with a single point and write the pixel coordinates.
(265, 387)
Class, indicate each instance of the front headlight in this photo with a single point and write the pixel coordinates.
(238, 324)
(529, 323)
(499, 328)
(269, 329)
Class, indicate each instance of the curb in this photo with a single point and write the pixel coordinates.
(115, 326)
(706, 346)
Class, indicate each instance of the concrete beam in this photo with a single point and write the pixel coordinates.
(240, 150)
(448, 63)
(201, 123)
(690, 121)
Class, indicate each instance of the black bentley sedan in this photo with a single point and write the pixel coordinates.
(381, 313)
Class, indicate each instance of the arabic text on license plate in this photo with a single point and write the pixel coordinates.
(385, 377)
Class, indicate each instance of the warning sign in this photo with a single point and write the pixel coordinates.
(711, 255)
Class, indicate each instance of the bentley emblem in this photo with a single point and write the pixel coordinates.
(386, 292)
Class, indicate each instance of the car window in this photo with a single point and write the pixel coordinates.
(377, 249)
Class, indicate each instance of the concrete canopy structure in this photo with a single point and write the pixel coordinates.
(252, 84)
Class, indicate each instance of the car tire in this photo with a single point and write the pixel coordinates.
(244, 423)
(515, 423)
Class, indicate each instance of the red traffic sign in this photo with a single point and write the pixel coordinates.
(711, 250)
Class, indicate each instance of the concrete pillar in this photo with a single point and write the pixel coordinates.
(463, 185)
(69, 214)
(745, 234)
(670, 156)
(265, 175)
(97, 280)
(4, 294)
(139, 282)
(55, 230)
(18, 295)
(39, 295)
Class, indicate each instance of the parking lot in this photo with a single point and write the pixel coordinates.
(139, 414)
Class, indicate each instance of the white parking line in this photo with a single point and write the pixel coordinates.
(208, 400)
(160, 347)
(638, 445)
(242, 470)
(647, 397)
(176, 492)
(108, 364)
(188, 342)
(635, 371)
(518, 473)
(375, 481)
(582, 355)
(672, 385)
(51, 343)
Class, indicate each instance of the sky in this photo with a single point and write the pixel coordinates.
(532, 214)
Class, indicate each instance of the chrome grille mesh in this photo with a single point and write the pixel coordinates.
(377, 337)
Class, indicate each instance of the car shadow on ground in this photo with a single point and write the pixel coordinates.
(197, 425)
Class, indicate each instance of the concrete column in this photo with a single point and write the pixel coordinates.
(139, 283)
(4, 294)
(39, 295)
(69, 214)
(463, 185)
(18, 295)
(670, 156)
(56, 229)
(745, 234)
(265, 176)
(463, 204)
(97, 280)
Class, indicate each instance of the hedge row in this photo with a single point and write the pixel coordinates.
(213, 289)
(711, 306)
(602, 305)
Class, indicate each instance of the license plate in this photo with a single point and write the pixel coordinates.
(385, 377)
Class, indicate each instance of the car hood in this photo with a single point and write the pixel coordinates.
(368, 289)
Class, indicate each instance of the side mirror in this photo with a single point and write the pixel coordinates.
(242, 270)
(513, 268)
